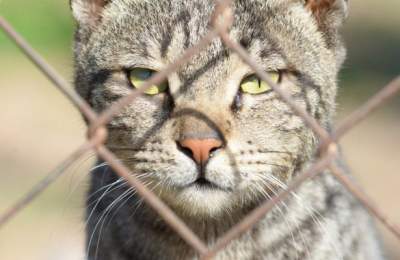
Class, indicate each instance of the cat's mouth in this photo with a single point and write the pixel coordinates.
(204, 184)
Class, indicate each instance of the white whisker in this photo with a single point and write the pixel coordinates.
(105, 212)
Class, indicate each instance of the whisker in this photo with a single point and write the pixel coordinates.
(103, 188)
(103, 195)
(103, 215)
(266, 195)
(312, 212)
(315, 217)
(81, 177)
(140, 201)
(122, 200)
(270, 178)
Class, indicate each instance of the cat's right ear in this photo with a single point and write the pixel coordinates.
(88, 13)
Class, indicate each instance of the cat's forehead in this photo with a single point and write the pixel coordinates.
(146, 33)
(191, 17)
(150, 28)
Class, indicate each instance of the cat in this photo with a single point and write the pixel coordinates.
(214, 141)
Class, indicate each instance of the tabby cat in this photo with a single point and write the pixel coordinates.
(214, 141)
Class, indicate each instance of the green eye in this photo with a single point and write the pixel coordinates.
(138, 76)
(254, 85)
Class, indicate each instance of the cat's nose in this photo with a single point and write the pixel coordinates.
(200, 150)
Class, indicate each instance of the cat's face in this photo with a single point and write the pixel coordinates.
(262, 144)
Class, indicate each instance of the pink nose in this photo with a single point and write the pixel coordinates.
(201, 148)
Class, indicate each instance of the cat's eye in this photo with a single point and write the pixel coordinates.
(138, 76)
(254, 85)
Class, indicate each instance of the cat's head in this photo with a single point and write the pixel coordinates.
(213, 138)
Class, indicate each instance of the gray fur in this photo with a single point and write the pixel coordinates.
(266, 145)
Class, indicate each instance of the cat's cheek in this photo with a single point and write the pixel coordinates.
(221, 171)
(181, 175)
(143, 117)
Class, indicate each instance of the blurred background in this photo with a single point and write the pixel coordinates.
(39, 127)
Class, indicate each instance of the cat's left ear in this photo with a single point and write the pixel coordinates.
(88, 12)
(329, 14)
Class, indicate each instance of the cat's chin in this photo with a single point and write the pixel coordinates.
(198, 201)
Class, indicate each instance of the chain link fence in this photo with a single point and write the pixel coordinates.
(222, 20)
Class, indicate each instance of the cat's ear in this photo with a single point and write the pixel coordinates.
(328, 13)
(88, 12)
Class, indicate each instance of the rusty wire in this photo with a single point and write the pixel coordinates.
(222, 19)
(43, 184)
(47, 70)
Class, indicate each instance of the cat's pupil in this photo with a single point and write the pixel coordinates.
(145, 74)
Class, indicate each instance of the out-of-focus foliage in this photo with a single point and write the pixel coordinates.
(372, 35)
(46, 24)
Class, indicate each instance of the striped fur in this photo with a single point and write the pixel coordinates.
(266, 144)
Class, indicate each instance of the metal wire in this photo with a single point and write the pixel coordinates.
(47, 70)
(221, 21)
(42, 185)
